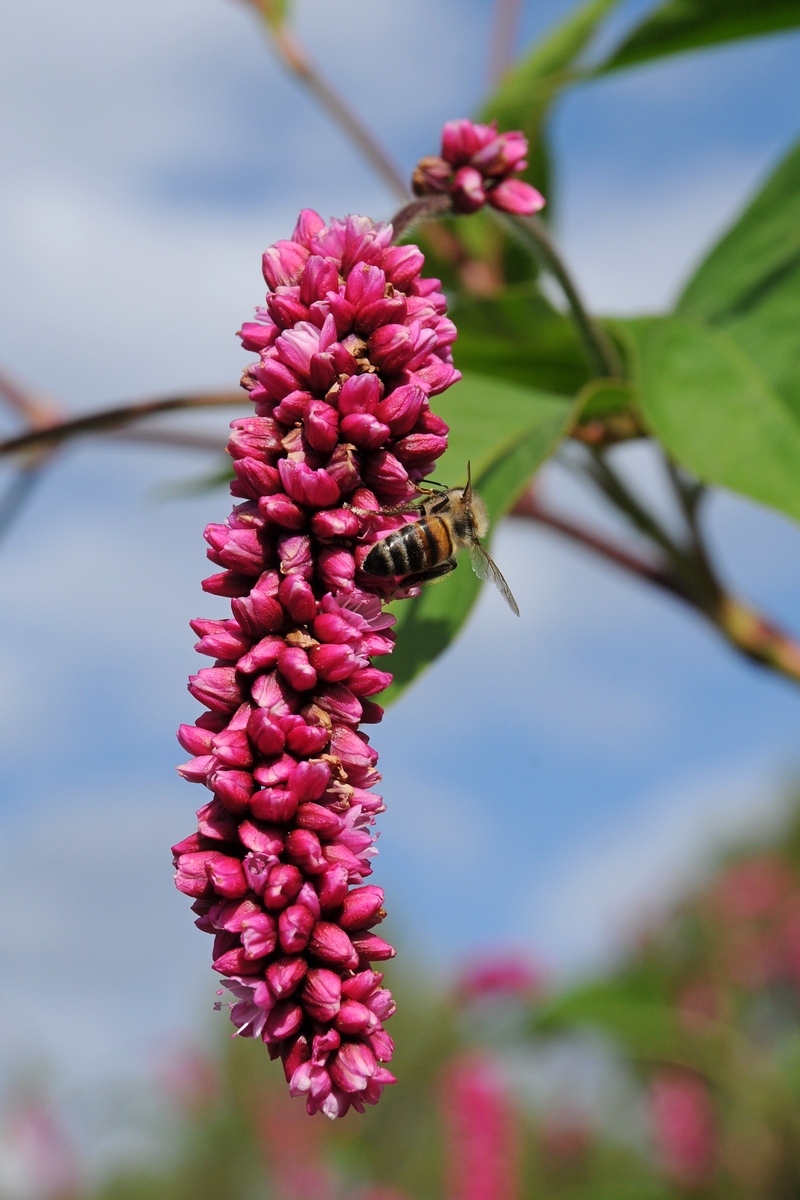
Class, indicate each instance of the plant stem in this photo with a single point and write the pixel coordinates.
(602, 352)
(294, 57)
(114, 418)
(420, 210)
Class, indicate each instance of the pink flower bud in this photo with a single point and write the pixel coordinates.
(194, 739)
(274, 804)
(322, 426)
(254, 437)
(232, 748)
(264, 839)
(316, 489)
(286, 308)
(259, 936)
(420, 448)
(279, 510)
(284, 1021)
(391, 347)
(353, 1066)
(233, 962)
(303, 849)
(368, 681)
(364, 431)
(256, 869)
(267, 736)
(334, 523)
(360, 394)
(340, 702)
(260, 612)
(400, 410)
(336, 567)
(283, 885)
(321, 821)
(304, 740)
(388, 310)
(197, 770)
(319, 277)
(515, 196)
(214, 821)
(263, 655)
(283, 263)
(226, 876)
(333, 661)
(309, 780)
(361, 908)
(354, 1018)
(371, 947)
(321, 995)
(387, 475)
(330, 944)
(233, 789)
(294, 928)
(217, 688)
(309, 226)
(298, 599)
(254, 478)
(256, 336)
(286, 974)
(343, 466)
(293, 664)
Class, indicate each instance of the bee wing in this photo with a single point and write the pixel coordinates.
(485, 568)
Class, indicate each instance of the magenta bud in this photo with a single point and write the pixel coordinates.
(292, 408)
(276, 771)
(432, 174)
(359, 986)
(344, 466)
(303, 739)
(387, 310)
(340, 703)
(332, 627)
(308, 780)
(264, 654)
(226, 876)
(260, 612)
(255, 437)
(216, 687)
(387, 476)
(286, 308)
(334, 523)
(400, 411)
(322, 426)
(233, 962)
(214, 821)
(281, 511)
(293, 664)
(296, 557)
(380, 1042)
(276, 378)
(230, 915)
(360, 394)
(254, 479)
(264, 839)
(232, 748)
(283, 1022)
(331, 944)
(294, 1053)
(191, 876)
(361, 907)
(333, 661)
(324, 823)
(309, 225)
(227, 583)
(322, 372)
(294, 928)
(420, 448)
(371, 947)
(402, 264)
(321, 995)
(354, 1018)
(515, 196)
(298, 599)
(259, 935)
(303, 849)
(332, 887)
(286, 974)
(336, 567)
(268, 737)
(364, 431)
(353, 1066)
(256, 336)
(233, 789)
(195, 740)
(463, 138)
(319, 277)
(368, 681)
(283, 263)
(283, 885)
(391, 347)
(468, 191)
(238, 549)
(274, 804)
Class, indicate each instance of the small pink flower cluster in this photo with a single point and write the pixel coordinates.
(482, 1132)
(476, 167)
(684, 1126)
(352, 343)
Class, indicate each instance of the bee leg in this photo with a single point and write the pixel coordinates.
(384, 512)
(433, 574)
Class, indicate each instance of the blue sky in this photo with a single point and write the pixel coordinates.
(551, 781)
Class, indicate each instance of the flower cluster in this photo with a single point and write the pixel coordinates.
(352, 344)
(476, 167)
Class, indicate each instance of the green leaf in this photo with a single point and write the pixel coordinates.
(520, 337)
(749, 284)
(526, 91)
(715, 411)
(506, 432)
(691, 24)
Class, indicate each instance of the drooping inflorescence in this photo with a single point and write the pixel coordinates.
(476, 167)
(352, 344)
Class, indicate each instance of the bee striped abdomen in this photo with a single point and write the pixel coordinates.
(414, 548)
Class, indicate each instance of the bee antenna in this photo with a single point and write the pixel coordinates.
(436, 483)
(468, 488)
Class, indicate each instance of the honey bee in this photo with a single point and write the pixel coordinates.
(425, 550)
